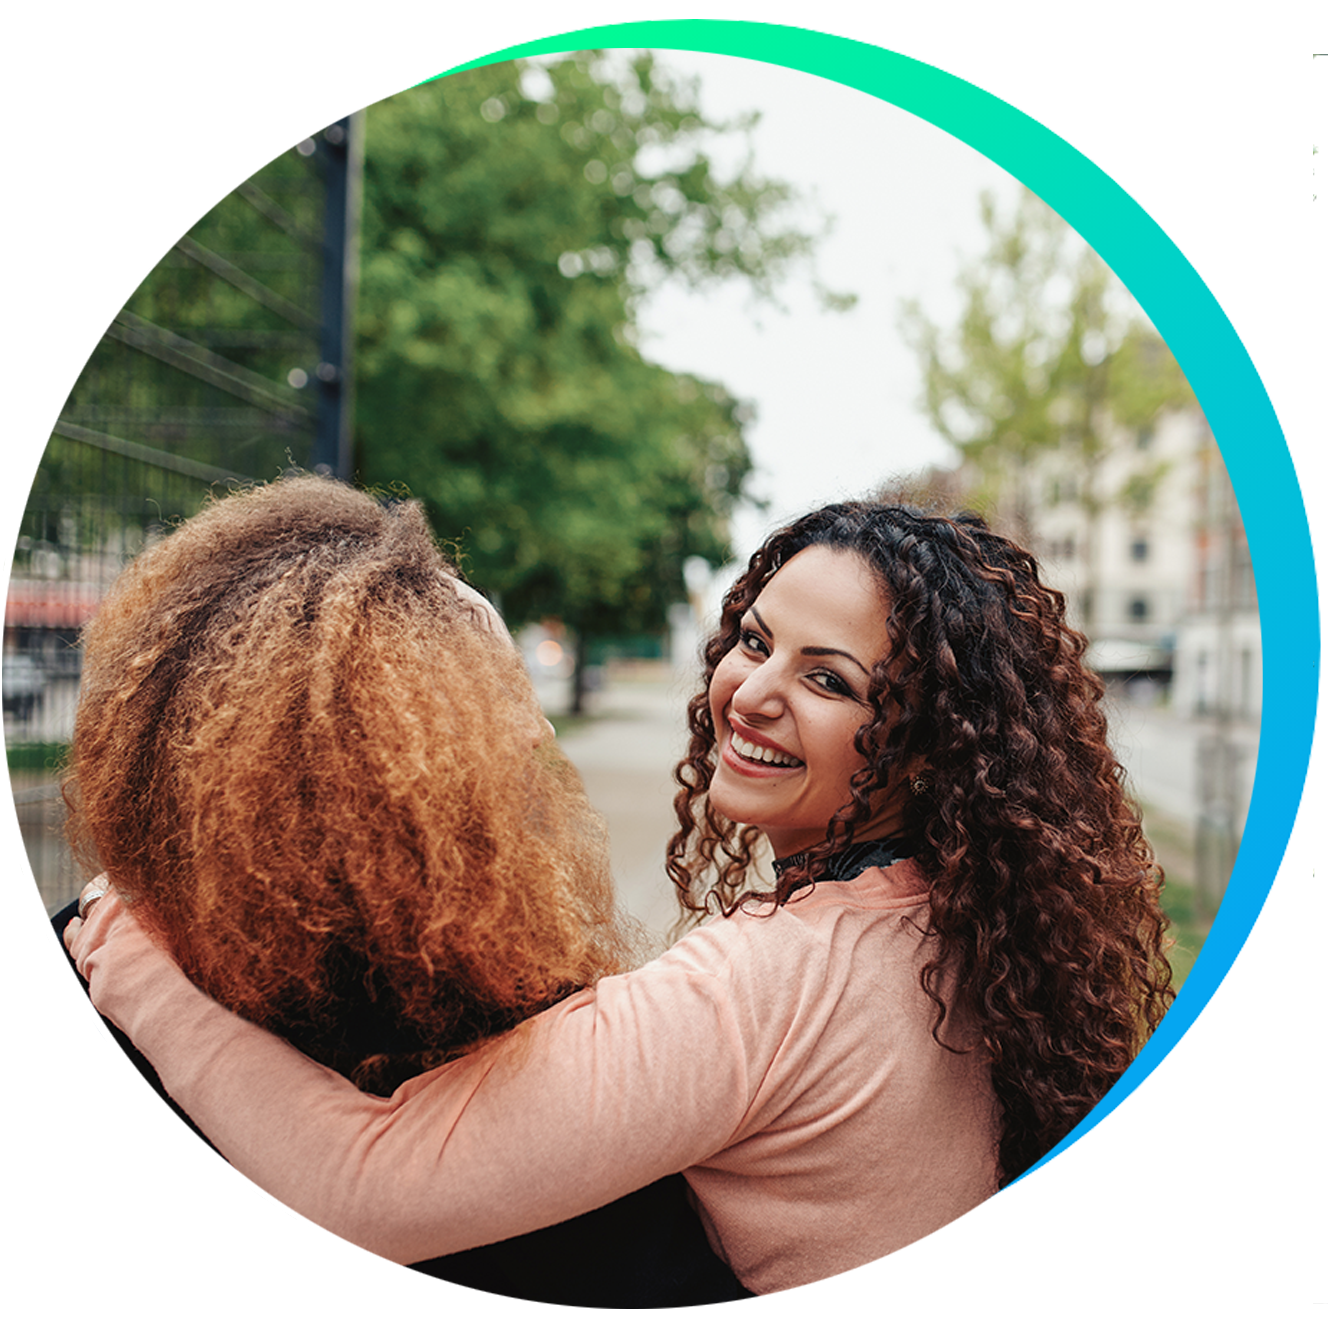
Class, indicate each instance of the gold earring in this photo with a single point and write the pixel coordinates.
(919, 784)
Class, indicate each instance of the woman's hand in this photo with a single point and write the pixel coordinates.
(93, 891)
(80, 939)
(126, 970)
(88, 898)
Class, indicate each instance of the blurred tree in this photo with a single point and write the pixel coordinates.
(1049, 353)
(513, 217)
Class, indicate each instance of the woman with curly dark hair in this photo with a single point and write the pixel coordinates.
(988, 730)
(960, 952)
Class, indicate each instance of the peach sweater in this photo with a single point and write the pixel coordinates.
(784, 1061)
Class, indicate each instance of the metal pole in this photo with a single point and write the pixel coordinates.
(342, 149)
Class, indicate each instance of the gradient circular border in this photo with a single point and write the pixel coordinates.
(1216, 363)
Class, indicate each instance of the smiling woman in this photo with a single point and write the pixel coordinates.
(789, 698)
(938, 708)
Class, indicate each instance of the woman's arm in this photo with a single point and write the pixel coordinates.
(646, 1075)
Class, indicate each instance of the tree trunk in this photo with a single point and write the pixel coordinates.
(581, 643)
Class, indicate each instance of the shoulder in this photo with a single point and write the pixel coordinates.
(900, 888)
(818, 943)
(745, 977)
(879, 895)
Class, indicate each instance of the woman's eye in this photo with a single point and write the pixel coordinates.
(832, 682)
(750, 641)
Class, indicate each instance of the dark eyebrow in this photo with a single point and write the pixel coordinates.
(843, 654)
(814, 651)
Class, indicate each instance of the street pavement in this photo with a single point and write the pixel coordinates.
(1164, 756)
(625, 753)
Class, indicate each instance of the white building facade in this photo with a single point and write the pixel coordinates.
(1150, 553)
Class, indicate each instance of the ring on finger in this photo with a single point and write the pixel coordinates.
(87, 900)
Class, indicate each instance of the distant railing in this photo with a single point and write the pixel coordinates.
(231, 362)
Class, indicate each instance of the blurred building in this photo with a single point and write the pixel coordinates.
(1219, 669)
(1126, 570)
(1152, 560)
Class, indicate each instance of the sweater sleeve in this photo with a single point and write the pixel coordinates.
(645, 1075)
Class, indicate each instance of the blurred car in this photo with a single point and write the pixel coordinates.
(22, 682)
(1120, 658)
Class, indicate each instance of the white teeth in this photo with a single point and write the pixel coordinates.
(763, 754)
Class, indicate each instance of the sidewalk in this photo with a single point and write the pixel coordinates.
(1162, 754)
(626, 752)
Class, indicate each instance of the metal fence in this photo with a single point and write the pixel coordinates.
(231, 362)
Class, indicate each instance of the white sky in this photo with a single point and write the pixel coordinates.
(835, 392)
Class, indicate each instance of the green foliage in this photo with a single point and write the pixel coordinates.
(227, 314)
(1173, 842)
(513, 216)
(1136, 493)
(48, 757)
(1048, 354)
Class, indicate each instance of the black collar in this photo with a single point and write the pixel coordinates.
(850, 861)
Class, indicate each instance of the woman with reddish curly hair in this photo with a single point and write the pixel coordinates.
(295, 755)
(310, 760)
(960, 952)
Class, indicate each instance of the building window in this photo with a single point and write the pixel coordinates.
(1139, 549)
(1138, 609)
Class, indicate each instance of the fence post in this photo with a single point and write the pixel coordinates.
(343, 154)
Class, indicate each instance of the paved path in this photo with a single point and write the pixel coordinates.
(1165, 754)
(626, 753)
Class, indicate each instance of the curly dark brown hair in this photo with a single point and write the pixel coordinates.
(1044, 893)
(295, 755)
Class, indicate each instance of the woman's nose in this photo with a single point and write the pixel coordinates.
(759, 693)
(538, 729)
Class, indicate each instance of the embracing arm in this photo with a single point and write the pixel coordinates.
(596, 1097)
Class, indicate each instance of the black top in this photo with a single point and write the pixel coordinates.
(853, 860)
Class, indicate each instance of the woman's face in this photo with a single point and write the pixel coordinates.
(536, 722)
(790, 696)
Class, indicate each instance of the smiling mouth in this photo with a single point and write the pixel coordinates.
(750, 751)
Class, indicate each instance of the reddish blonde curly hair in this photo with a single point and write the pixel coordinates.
(298, 757)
